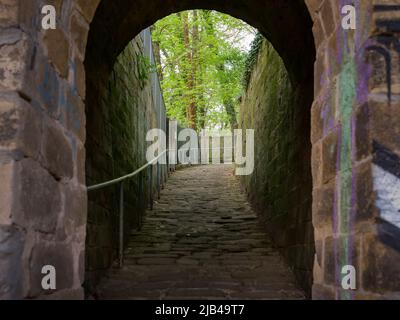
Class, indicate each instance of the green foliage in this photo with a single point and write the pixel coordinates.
(252, 59)
(145, 68)
(202, 67)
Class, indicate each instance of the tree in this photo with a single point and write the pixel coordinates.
(201, 61)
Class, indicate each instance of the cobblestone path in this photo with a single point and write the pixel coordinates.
(201, 241)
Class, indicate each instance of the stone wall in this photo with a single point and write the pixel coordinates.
(117, 123)
(355, 136)
(280, 186)
(355, 130)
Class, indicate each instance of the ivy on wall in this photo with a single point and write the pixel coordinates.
(252, 59)
(145, 68)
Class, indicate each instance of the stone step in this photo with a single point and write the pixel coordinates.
(201, 241)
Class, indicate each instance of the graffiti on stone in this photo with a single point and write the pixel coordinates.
(386, 172)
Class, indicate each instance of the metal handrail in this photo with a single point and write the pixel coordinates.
(121, 180)
(125, 177)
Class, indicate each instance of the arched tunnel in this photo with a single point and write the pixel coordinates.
(290, 227)
(320, 207)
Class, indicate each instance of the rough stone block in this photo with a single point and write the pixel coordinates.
(318, 31)
(381, 266)
(68, 294)
(58, 151)
(20, 126)
(313, 6)
(329, 156)
(79, 33)
(316, 122)
(73, 114)
(11, 248)
(7, 171)
(37, 195)
(81, 164)
(57, 5)
(8, 13)
(58, 50)
(319, 251)
(46, 86)
(58, 255)
(323, 205)
(316, 164)
(75, 211)
(88, 8)
(384, 126)
(320, 292)
(80, 78)
(328, 18)
(362, 132)
(379, 80)
(8, 121)
(364, 192)
(335, 260)
(12, 59)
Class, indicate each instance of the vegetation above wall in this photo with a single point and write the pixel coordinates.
(251, 59)
(201, 60)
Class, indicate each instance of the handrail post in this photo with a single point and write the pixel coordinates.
(158, 181)
(121, 224)
(151, 187)
(141, 207)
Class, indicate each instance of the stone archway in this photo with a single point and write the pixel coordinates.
(42, 138)
(100, 59)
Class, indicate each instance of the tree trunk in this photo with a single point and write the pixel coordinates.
(191, 108)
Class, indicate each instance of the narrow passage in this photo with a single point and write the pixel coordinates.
(201, 241)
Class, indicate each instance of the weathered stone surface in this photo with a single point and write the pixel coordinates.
(79, 32)
(44, 86)
(117, 122)
(68, 294)
(365, 191)
(381, 264)
(87, 8)
(341, 58)
(11, 248)
(282, 153)
(362, 132)
(58, 50)
(75, 209)
(8, 122)
(80, 163)
(329, 156)
(316, 164)
(323, 205)
(80, 79)
(12, 59)
(321, 292)
(316, 121)
(334, 261)
(73, 114)
(8, 13)
(37, 198)
(6, 187)
(58, 255)
(20, 126)
(329, 17)
(58, 151)
(10, 36)
(181, 255)
(383, 125)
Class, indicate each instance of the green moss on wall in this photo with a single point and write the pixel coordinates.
(280, 187)
(117, 123)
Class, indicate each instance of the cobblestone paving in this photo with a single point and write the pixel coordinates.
(201, 241)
